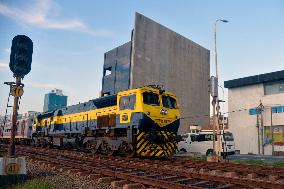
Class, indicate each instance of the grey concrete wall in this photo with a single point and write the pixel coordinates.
(118, 61)
(161, 56)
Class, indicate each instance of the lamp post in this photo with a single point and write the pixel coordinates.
(215, 101)
(215, 39)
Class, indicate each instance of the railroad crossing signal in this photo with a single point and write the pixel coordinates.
(16, 91)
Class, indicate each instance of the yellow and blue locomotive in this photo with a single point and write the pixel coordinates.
(142, 122)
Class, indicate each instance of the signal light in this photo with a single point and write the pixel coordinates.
(21, 55)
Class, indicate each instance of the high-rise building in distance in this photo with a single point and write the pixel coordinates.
(54, 100)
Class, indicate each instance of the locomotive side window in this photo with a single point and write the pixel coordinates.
(127, 102)
(169, 102)
(151, 98)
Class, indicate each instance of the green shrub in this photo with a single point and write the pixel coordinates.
(278, 164)
(252, 162)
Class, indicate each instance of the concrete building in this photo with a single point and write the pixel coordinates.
(158, 55)
(54, 100)
(117, 70)
(246, 98)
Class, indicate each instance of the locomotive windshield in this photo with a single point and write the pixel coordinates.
(151, 98)
(127, 102)
(169, 102)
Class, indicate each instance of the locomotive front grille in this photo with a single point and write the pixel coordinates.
(147, 147)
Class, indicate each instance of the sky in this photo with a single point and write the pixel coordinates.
(70, 38)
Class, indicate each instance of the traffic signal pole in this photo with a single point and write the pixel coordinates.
(11, 151)
(20, 65)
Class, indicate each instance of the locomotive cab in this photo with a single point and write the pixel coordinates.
(153, 114)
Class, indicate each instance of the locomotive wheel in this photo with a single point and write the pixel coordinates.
(106, 149)
(109, 152)
(126, 149)
(91, 146)
(32, 143)
(35, 142)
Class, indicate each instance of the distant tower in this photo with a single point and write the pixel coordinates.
(54, 100)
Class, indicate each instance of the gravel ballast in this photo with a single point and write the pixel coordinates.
(63, 180)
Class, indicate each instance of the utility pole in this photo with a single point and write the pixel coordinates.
(215, 101)
(11, 151)
(258, 130)
(262, 129)
(272, 132)
(214, 124)
(218, 129)
(260, 109)
(214, 94)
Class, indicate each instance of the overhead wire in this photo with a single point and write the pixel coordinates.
(230, 112)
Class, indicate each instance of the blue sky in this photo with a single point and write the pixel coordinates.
(70, 39)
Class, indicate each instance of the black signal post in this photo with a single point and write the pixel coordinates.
(20, 65)
(11, 151)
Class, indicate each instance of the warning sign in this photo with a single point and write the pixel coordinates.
(12, 169)
(17, 91)
(13, 166)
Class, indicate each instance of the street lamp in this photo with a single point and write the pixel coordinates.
(215, 98)
(215, 28)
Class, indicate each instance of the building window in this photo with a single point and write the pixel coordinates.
(274, 109)
(274, 88)
(107, 71)
(278, 109)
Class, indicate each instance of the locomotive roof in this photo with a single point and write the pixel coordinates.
(101, 102)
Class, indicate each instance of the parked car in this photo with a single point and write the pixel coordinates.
(202, 143)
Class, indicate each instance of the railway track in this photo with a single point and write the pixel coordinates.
(157, 173)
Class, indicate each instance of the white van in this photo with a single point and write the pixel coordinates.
(202, 143)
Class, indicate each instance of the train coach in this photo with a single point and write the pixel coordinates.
(140, 122)
(23, 133)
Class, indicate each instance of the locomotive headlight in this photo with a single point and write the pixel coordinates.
(163, 111)
(124, 117)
